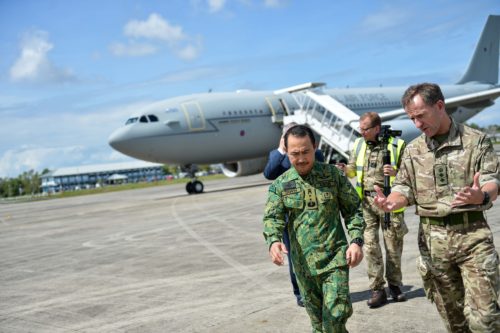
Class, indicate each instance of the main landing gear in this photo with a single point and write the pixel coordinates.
(194, 187)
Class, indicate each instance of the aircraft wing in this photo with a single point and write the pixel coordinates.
(452, 102)
(472, 98)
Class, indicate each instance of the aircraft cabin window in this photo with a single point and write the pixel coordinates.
(229, 113)
(152, 118)
(143, 119)
(131, 120)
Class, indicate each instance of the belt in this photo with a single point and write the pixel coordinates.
(372, 194)
(453, 219)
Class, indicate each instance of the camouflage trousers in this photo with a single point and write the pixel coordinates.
(326, 298)
(393, 243)
(459, 269)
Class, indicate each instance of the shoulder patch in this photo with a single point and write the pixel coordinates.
(290, 188)
(289, 185)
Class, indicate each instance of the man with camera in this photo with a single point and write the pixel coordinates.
(375, 159)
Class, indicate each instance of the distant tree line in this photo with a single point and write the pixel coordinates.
(27, 183)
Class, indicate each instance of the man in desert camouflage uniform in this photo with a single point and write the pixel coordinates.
(366, 163)
(451, 174)
(313, 195)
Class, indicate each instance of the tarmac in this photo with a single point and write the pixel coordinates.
(159, 260)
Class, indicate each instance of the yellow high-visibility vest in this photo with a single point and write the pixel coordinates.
(394, 146)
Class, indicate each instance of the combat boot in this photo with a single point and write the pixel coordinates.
(378, 298)
(396, 294)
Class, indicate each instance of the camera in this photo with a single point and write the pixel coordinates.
(386, 133)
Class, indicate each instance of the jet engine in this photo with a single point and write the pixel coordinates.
(245, 167)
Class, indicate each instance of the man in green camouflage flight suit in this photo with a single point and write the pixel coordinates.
(367, 164)
(451, 174)
(313, 195)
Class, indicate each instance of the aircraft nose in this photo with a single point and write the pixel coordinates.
(117, 139)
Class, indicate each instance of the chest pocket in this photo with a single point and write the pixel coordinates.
(326, 195)
(459, 170)
(293, 201)
(425, 184)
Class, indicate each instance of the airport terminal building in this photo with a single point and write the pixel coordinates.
(91, 176)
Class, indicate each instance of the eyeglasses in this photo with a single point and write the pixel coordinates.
(362, 130)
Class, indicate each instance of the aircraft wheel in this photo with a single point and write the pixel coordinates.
(197, 186)
(190, 188)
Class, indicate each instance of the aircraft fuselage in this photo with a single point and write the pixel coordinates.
(226, 127)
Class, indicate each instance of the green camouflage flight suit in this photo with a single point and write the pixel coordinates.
(318, 241)
(373, 174)
(458, 261)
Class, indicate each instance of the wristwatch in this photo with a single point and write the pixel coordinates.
(358, 241)
(486, 199)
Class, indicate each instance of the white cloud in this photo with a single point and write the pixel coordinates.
(31, 157)
(189, 51)
(132, 49)
(33, 64)
(155, 29)
(215, 5)
(62, 139)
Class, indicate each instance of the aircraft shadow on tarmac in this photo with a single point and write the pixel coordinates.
(361, 296)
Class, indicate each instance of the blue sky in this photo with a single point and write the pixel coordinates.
(73, 71)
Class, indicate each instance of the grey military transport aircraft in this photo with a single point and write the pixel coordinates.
(238, 129)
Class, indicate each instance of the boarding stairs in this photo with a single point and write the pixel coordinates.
(336, 124)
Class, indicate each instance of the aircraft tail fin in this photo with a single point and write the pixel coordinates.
(483, 66)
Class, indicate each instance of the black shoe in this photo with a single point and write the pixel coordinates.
(378, 298)
(300, 302)
(396, 294)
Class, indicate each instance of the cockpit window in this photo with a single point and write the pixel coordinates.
(131, 120)
(152, 118)
(143, 119)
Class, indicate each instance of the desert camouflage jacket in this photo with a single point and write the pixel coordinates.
(314, 204)
(431, 173)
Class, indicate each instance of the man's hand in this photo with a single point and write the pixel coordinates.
(276, 253)
(340, 166)
(469, 195)
(389, 170)
(354, 255)
(381, 201)
(282, 144)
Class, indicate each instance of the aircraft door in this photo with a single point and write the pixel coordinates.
(278, 108)
(194, 115)
(276, 105)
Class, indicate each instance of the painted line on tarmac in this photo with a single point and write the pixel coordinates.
(242, 269)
